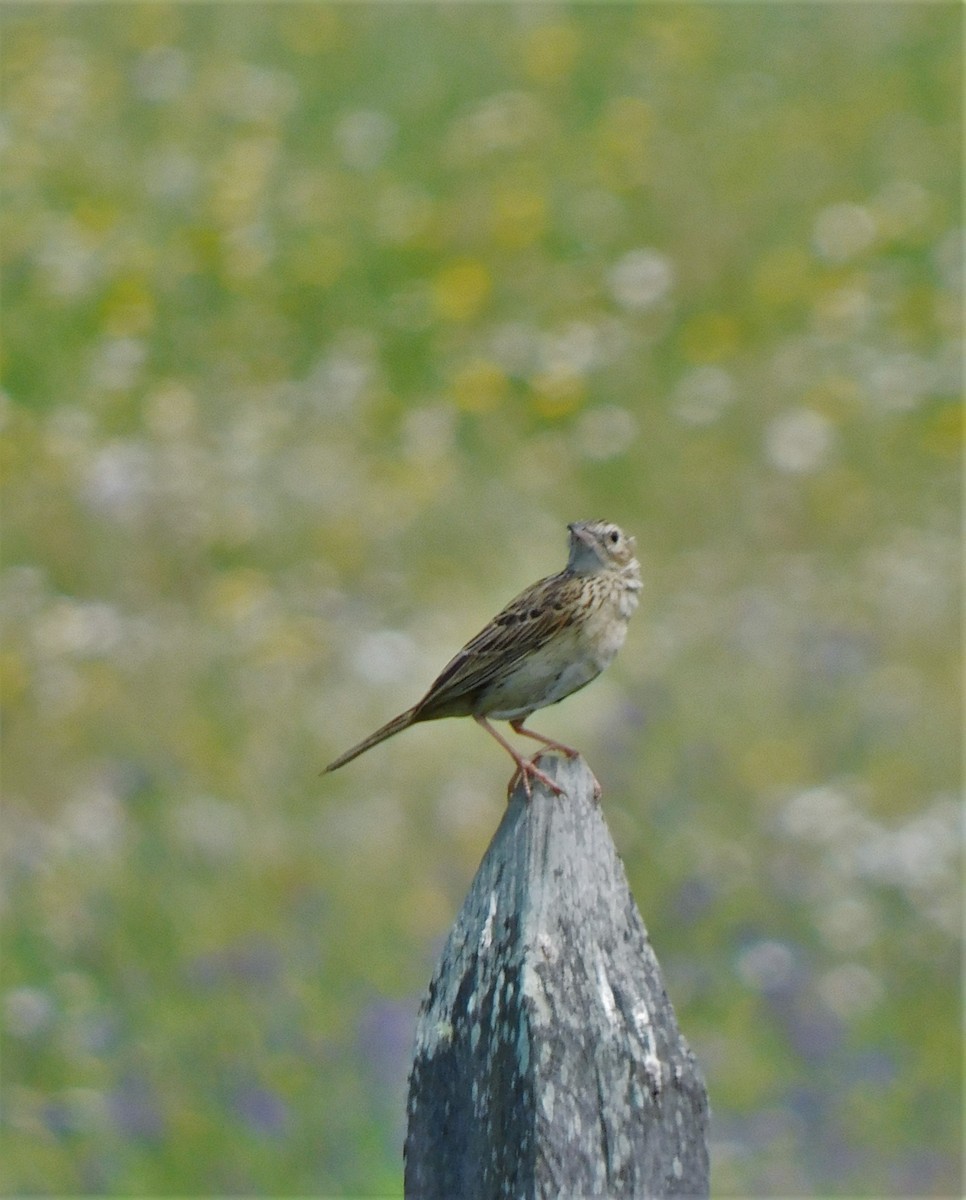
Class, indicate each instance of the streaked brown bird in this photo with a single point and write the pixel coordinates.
(554, 638)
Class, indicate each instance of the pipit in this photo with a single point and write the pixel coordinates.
(554, 638)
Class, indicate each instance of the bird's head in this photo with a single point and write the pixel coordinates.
(598, 544)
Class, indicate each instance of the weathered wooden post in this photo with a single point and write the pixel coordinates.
(548, 1061)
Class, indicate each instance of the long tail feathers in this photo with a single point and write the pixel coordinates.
(396, 725)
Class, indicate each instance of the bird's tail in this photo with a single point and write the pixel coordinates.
(396, 725)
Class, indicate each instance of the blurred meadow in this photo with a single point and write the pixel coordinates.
(320, 323)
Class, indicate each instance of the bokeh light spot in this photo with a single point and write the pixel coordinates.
(799, 442)
(843, 232)
(549, 52)
(479, 386)
(641, 279)
(461, 289)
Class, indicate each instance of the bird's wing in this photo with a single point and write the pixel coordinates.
(527, 623)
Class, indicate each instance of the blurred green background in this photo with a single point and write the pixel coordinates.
(320, 322)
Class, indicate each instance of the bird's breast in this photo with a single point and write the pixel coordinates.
(605, 628)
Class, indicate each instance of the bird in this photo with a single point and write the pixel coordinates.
(551, 640)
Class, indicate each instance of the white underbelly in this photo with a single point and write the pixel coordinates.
(556, 670)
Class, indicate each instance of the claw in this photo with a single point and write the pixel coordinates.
(526, 769)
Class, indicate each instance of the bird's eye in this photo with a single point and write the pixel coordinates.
(614, 536)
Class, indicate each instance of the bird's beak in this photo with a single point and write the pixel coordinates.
(580, 533)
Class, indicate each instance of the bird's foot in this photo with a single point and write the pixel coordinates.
(527, 769)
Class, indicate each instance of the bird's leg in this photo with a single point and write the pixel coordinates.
(525, 768)
(567, 751)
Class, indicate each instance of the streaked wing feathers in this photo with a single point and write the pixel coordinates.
(526, 624)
